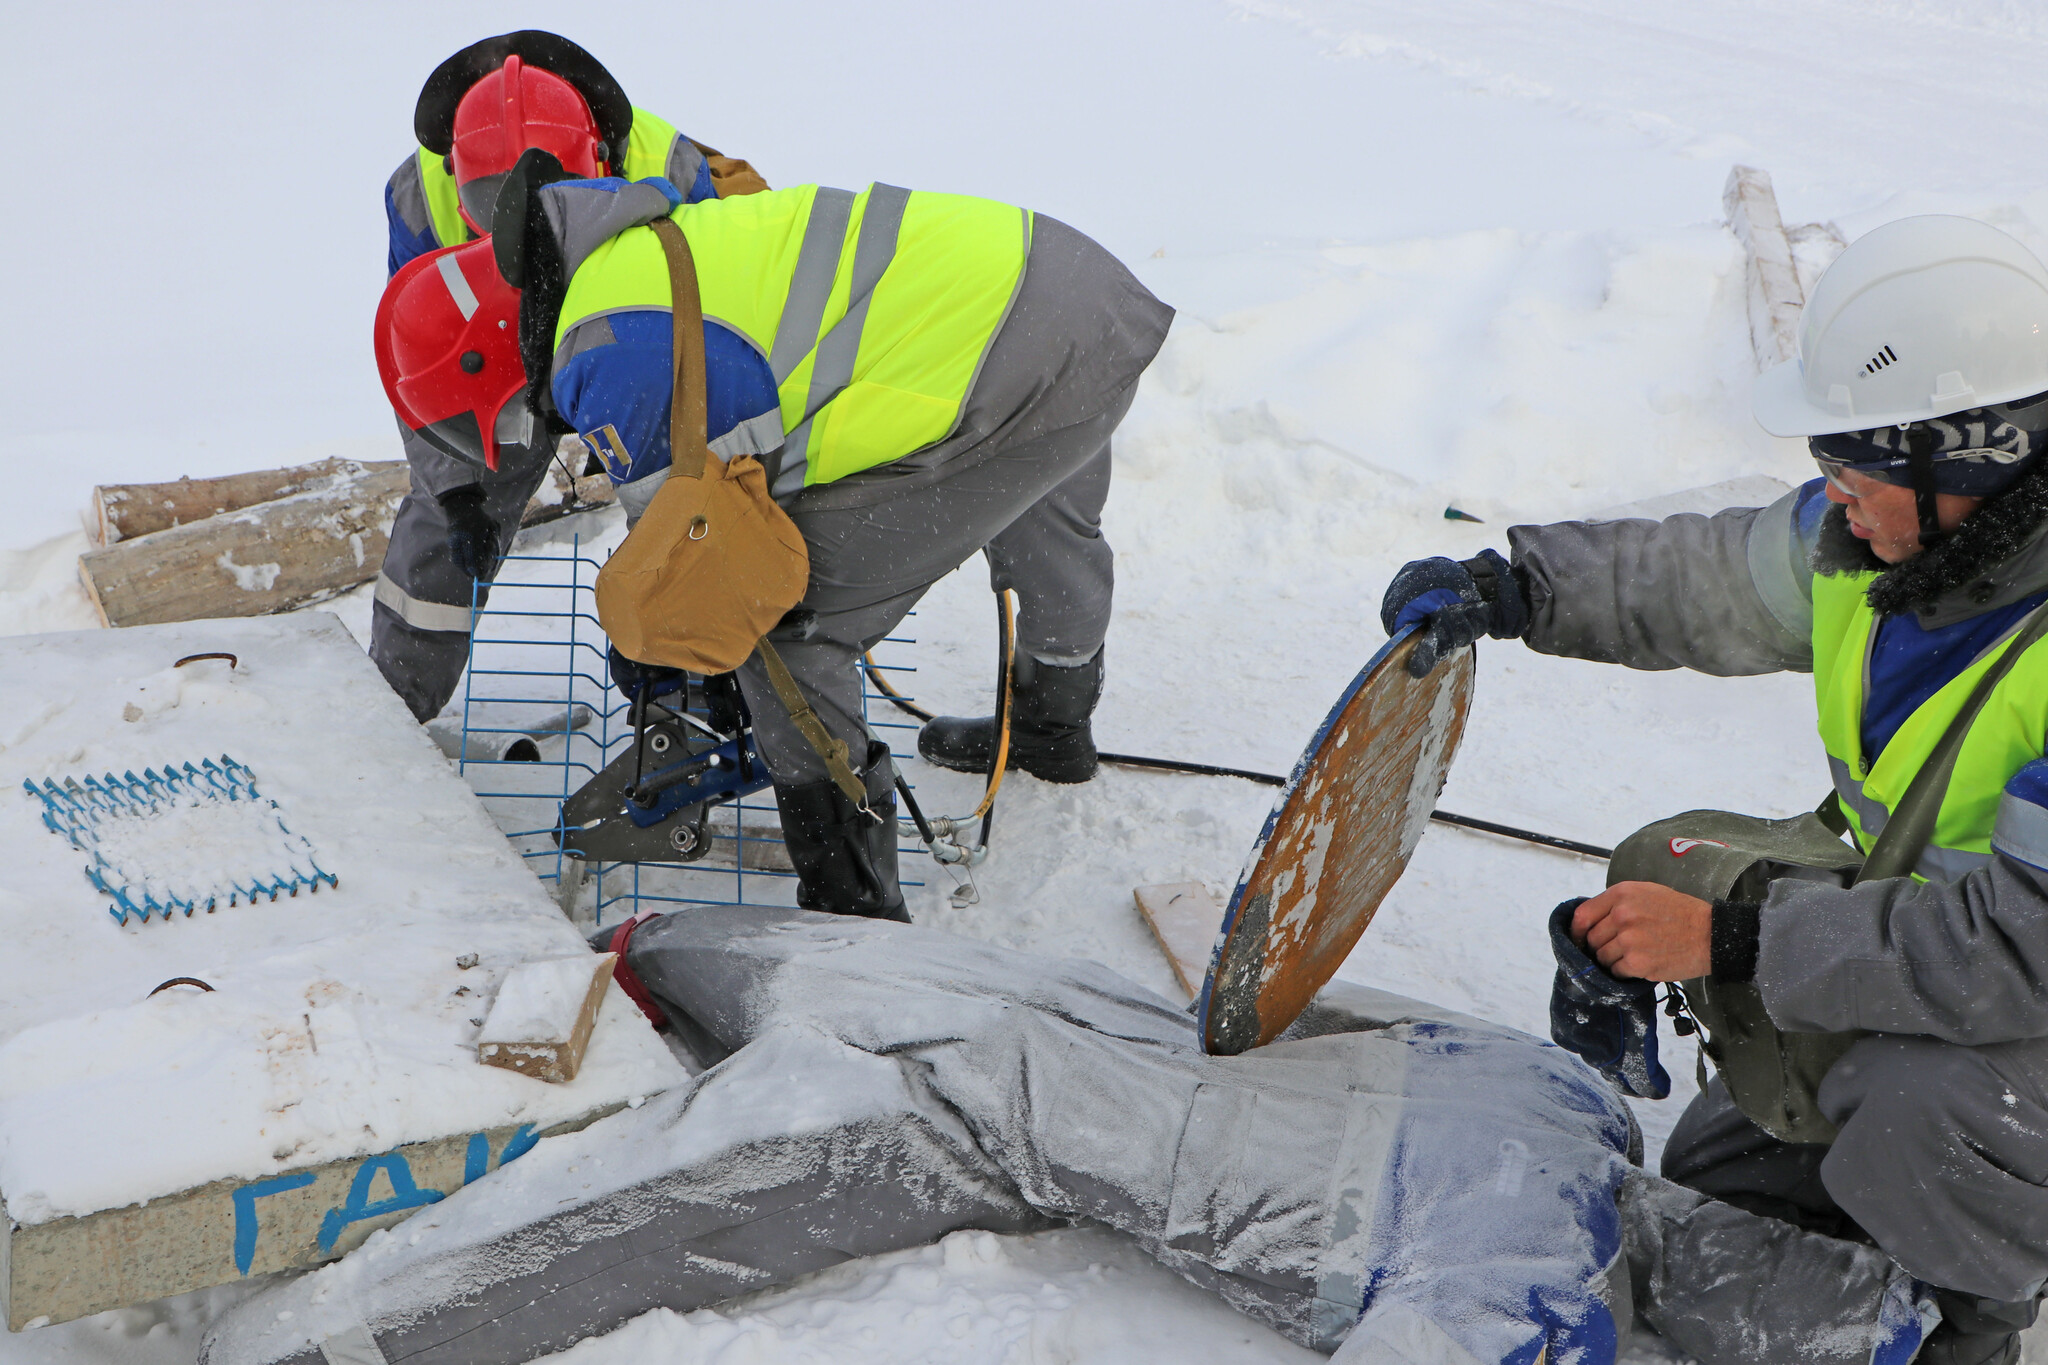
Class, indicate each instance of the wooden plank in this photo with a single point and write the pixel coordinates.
(1775, 298)
(271, 557)
(231, 1229)
(1184, 917)
(123, 511)
(537, 1026)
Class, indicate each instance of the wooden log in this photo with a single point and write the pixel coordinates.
(265, 555)
(166, 558)
(1184, 918)
(270, 557)
(123, 511)
(231, 1229)
(1775, 298)
(540, 1023)
(1814, 248)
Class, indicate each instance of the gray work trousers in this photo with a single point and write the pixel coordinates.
(419, 624)
(1022, 478)
(1942, 1160)
(1033, 508)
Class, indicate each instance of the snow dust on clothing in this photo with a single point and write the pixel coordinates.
(420, 611)
(889, 1084)
(1388, 1181)
(1954, 963)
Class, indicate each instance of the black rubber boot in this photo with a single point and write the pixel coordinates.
(845, 860)
(1976, 1331)
(1049, 733)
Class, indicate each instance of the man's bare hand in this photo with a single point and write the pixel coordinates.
(1644, 930)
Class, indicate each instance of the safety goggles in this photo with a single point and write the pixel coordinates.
(1898, 469)
(1895, 471)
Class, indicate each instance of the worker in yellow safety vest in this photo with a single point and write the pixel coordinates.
(1876, 1015)
(478, 112)
(922, 375)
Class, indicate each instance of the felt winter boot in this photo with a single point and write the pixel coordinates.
(1050, 736)
(845, 858)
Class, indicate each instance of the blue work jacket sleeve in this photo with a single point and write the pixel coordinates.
(405, 210)
(614, 375)
(700, 187)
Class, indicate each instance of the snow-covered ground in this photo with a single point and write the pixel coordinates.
(1457, 253)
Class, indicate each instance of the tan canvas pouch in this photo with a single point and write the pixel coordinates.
(731, 176)
(714, 563)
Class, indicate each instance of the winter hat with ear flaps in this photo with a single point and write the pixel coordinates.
(433, 118)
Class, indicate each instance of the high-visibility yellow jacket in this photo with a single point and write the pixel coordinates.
(870, 315)
(2006, 735)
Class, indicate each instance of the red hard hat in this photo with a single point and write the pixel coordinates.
(509, 110)
(447, 340)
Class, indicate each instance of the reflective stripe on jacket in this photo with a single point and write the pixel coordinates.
(874, 310)
(2007, 735)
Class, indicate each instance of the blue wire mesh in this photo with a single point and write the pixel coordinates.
(537, 670)
(213, 806)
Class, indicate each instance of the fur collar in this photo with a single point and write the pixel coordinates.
(1993, 534)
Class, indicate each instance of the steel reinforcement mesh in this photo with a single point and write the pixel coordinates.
(539, 718)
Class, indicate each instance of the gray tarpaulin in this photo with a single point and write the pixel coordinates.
(1391, 1181)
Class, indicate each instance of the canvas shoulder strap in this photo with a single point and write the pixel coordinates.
(832, 750)
(1911, 828)
(688, 408)
(688, 453)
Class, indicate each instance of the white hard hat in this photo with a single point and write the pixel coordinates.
(1916, 319)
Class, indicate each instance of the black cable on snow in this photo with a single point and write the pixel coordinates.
(1178, 765)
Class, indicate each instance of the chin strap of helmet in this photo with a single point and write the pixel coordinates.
(1920, 445)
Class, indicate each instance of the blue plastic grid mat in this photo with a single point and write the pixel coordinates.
(537, 672)
(185, 839)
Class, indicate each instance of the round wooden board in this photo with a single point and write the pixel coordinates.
(1340, 835)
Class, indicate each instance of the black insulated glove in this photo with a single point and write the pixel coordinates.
(1454, 604)
(472, 533)
(1609, 1022)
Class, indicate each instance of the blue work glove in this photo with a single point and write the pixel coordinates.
(1454, 604)
(1609, 1022)
(642, 682)
(472, 532)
